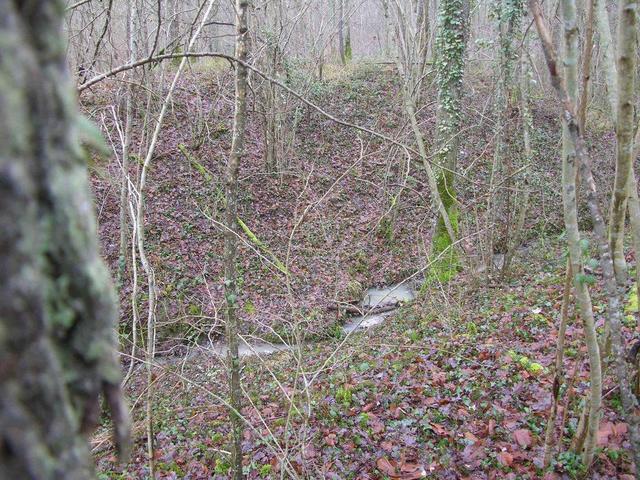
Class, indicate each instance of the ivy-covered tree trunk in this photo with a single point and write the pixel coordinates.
(449, 51)
(57, 303)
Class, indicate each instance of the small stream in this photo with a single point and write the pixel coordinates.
(390, 297)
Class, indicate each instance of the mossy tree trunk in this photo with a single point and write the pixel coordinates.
(625, 125)
(619, 203)
(57, 303)
(450, 52)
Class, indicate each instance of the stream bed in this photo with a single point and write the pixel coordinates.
(388, 298)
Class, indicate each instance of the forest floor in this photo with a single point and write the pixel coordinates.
(444, 389)
(457, 384)
(344, 214)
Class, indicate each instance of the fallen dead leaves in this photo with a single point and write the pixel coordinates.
(402, 469)
(523, 438)
(612, 434)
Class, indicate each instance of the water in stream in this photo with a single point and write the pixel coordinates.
(374, 298)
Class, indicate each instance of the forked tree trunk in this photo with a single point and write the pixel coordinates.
(569, 166)
(612, 80)
(57, 303)
(579, 437)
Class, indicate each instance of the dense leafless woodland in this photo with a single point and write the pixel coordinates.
(341, 239)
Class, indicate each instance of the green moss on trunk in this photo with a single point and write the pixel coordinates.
(444, 255)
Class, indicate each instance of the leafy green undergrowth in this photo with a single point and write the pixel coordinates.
(451, 386)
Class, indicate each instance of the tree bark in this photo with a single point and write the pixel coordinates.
(348, 52)
(423, 32)
(57, 303)
(625, 111)
(343, 58)
(232, 233)
(587, 55)
(618, 205)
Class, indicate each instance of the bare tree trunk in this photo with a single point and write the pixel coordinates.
(608, 54)
(579, 437)
(348, 51)
(567, 92)
(124, 190)
(423, 31)
(141, 245)
(627, 38)
(587, 55)
(611, 76)
(386, 46)
(634, 209)
(232, 232)
(269, 95)
(57, 303)
(528, 157)
(124, 187)
(558, 369)
(341, 31)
